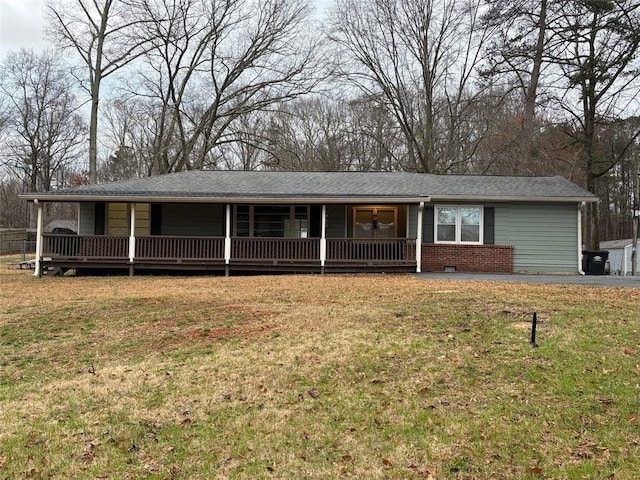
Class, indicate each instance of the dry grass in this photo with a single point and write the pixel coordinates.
(372, 376)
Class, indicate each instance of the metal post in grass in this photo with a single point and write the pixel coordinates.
(636, 213)
(534, 323)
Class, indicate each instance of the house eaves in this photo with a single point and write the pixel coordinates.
(43, 197)
(512, 198)
(222, 199)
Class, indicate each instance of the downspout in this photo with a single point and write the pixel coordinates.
(419, 238)
(580, 209)
(38, 267)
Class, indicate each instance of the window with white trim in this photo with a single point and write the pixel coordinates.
(458, 224)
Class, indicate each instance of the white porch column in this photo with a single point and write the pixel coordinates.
(419, 238)
(132, 236)
(38, 266)
(625, 260)
(323, 239)
(227, 239)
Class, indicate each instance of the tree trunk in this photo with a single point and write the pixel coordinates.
(592, 224)
(531, 93)
(93, 133)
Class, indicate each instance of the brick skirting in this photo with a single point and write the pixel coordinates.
(437, 257)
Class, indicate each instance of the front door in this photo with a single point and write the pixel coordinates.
(375, 222)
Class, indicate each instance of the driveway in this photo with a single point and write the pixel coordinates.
(596, 280)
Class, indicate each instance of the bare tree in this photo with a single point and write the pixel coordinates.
(317, 133)
(519, 48)
(618, 187)
(46, 134)
(599, 66)
(419, 56)
(4, 115)
(502, 150)
(213, 62)
(46, 131)
(14, 212)
(310, 134)
(103, 34)
(251, 141)
(124, 141)
(375, 141)
(583, 56)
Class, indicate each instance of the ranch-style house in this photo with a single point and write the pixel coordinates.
(235, 221)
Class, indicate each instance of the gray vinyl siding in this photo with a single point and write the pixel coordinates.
(544, 236)
(336, 221)
(193, 220)
(501, 224)
(86, 222)
(412, 226)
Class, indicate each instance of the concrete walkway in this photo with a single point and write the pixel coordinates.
(596, 280)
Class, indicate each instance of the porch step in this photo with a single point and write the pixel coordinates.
(54, 271)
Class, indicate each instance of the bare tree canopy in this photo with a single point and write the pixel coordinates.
(584, 55)
(44, 134)
(532, 87)
(104, 35)
(46, 131)
(418, 58)
(334, 134)
(213, 62)
(600, 81)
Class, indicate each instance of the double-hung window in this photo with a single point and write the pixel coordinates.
(458, 224)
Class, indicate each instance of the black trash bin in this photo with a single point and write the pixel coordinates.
(594, 262)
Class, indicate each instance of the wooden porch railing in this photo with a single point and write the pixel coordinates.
(243, 249)
(85, 246)
(371, 250)
(172, 248)
(271, 249)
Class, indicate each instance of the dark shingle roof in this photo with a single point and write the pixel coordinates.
(220, 185)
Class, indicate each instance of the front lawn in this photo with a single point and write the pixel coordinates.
(367, 376)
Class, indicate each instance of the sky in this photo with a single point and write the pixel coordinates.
(21, 24)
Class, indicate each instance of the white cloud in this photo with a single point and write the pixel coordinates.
(21, 24)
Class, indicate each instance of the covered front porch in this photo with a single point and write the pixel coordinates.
(306, 240)
(227, 254)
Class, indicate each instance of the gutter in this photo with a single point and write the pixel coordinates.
(237, 200)
(498, 199)
(48, 197)
(580, 210)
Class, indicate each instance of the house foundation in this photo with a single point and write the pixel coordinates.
(439, 257)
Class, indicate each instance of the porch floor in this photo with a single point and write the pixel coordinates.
(94, 266)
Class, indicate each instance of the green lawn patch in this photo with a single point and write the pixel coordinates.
(366, 376)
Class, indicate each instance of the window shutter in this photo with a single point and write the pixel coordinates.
(427, 224)
(489, 226)
(155, 216)
(99, 218)
(315, 221)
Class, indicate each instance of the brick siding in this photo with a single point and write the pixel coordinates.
(467, 258)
